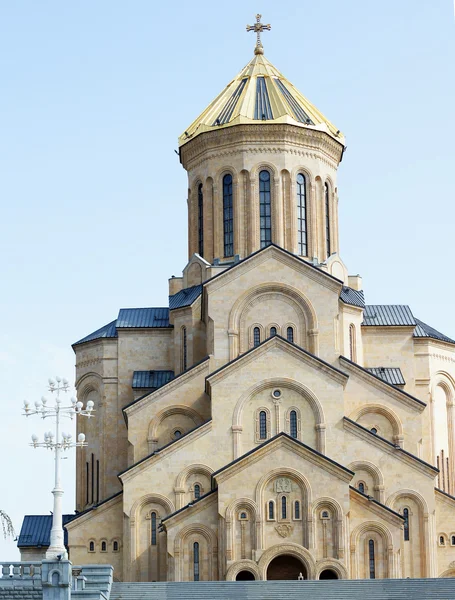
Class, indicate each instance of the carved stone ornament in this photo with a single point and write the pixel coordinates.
(284, 530)
(283, 484)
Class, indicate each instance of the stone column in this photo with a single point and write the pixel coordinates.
(313, 222)
(236, 440)
(277, 214)
(451, 444)
(253, 218)
(234, 349)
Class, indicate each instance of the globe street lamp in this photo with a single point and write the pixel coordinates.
(57, 550)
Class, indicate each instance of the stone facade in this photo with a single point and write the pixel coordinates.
(273, 438)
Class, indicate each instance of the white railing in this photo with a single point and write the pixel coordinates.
(20, 570)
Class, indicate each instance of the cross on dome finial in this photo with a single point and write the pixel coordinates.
(258, 27)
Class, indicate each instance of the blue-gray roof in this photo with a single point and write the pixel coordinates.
(185, 297)
(388, 315)
(130, 317)
(151, 379)
(353, 297)
(143, 317)
(425, 331)
(392, 375)
(36, 530)
(108, 331)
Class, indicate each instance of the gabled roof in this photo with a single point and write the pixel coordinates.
(151, 379)
(36, 530)
(258, 94)
(376, 503)
(388, 315)
(425, 331)
(185, 297)
(284, 436)
(353, 297)
(392, 375)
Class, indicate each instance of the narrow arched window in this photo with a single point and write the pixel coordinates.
(374, 430)
(284, 507)
(302, 235)
(197, 491)
(327, 219)
(362, 487)
(262, 425)
(184, 350)
(352, 343)
(290, 334)
(453, 540)
(228, 216)
(272, 331)
(406, 524)
(256, 336)
(297, 510)
(371, 559)
(200, 219)
(153, 527)
(265, 210)
(115, 546)
(442, 541)
(271, 510)
(293, 423)
(196, 561)
(91, 547)
(103, 547)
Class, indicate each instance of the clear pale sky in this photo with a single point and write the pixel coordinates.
(93, 198)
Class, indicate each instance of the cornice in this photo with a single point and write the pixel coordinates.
(376, 507)
(193, 507)
(159, 454)
(396, 451)
(261, 138)
(306, 453)
(292, 261)
(167, 388)
(385, 387)
(274, 342)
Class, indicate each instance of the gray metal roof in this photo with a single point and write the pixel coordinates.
(424, 331)
(353, 297)
(143, 317)
(151, 379)
(392, 375)
(107, 331)
(388, 315)
(185, 297)
(36, 530)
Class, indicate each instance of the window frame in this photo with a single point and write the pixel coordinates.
(327, 210)
(271, 504)
(294, 515)
(200, 219)
(265, 206)
(228, 220)
(302, 214)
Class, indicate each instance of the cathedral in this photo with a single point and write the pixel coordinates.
(268, 423)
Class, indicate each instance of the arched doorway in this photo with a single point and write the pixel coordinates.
(328, 574)
(286, 567)
(245, 576)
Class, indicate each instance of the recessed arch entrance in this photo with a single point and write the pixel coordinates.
(328, 574)
(245, 576)
(286, 567)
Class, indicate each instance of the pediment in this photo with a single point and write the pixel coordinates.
(280, 257)
(273, 351)
(269, 454)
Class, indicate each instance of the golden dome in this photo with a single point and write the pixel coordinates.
(260, 93)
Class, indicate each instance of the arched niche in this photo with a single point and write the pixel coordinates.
(163, 427)
(293, 394)
(199, 474)
(383, 419)
(383, 551)
(242, 519)
(287, 549)
(207, 542)
(328, 531)
(371, 476)
(269, 303)
(148, 545)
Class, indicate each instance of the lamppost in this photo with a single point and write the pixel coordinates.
(57, 548)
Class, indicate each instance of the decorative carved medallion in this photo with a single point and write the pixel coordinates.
(283, 484)
(284, 530)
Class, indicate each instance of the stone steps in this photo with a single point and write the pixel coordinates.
(380, 589)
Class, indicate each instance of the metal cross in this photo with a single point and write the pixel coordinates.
(258, 27)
